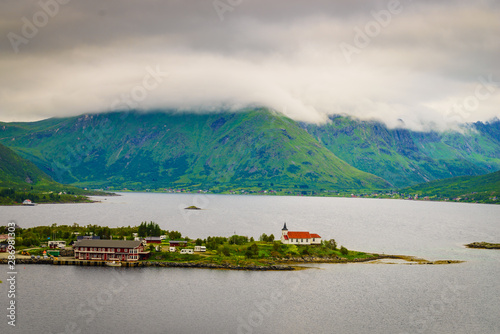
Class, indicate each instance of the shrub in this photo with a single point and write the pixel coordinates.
(343, 250)
(275, 254)
(330, 244)
(252, 251)
(277, 246)
(224, 250)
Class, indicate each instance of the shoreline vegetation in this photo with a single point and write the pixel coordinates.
(235, 252)
(483, 245)
(473, 198)
(11, 197)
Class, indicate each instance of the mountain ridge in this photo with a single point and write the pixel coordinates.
(252, 149)
(257, 149)
(404, 157)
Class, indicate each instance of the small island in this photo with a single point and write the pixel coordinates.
(147, 245)
(484, 245)
(192, 207)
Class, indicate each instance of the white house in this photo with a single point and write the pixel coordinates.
(200, 248)
(56, 244)
(299, 238)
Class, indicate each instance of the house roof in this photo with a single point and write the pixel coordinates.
(108, 243)
(153, 238)
(299, 235)
(314, 235)
(178, 241)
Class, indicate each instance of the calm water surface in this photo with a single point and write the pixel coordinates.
(351, 298)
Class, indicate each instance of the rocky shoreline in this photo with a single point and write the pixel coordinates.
(375, 259)
(484, 245)
(280, 264)
(153, 264)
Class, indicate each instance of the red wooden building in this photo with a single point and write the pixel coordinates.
(110, 250)
(153, 240)
(177, 243)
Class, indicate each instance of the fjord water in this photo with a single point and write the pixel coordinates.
(333, 298)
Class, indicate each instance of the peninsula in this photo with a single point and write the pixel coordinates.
(148, 245)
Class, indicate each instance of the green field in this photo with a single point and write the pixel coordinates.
(480, 189)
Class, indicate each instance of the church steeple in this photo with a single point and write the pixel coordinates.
(284, 232)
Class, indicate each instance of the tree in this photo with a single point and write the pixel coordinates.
(238, 240)
(271, 238)
(174, 235)
(198, 242)
(150, 229)
(330, 244)
(224, 250)
(343, 250)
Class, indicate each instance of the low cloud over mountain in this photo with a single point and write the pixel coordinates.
(421, 64)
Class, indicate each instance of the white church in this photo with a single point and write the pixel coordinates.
(299, 238)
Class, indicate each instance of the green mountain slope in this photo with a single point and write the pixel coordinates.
(404, 157)
(16, 172)
(482, 188)
(20, 179)
(255, 149)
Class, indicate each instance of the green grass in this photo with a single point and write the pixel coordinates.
(481, 189)
(268, 253)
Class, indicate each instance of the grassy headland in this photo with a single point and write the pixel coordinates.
(235, 252)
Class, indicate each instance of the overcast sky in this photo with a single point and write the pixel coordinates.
(425, 64)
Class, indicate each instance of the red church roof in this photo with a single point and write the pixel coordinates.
(314, 235)
(299, 235)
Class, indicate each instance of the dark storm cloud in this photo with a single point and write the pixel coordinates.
(420, 61)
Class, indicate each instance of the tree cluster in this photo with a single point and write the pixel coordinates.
(264, 237)
(150, 229)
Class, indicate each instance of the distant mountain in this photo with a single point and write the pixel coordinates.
(257, 149)
(404, 157)
(16, 172)
(20, 179)
(482, 188)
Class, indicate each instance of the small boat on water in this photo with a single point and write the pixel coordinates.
(113, 263)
